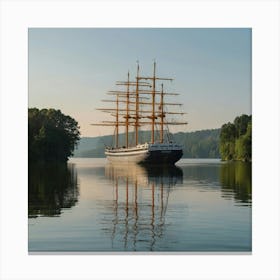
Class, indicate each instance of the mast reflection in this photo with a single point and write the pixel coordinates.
(140, 199)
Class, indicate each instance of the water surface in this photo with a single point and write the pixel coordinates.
(92, 206)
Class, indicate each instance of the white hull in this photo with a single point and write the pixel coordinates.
(165, 153)
(135, 155)
(131, 158)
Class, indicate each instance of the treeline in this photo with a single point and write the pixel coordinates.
(52, 136)
(198, 144)
(236, 139)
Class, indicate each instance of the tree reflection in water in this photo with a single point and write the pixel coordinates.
(51, 187)
(139, 203)
(236, 178)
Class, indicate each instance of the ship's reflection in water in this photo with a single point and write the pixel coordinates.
(140, 199)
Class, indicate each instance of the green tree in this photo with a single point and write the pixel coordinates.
(227, 141)
(52, 136)
(236, 139)
(241, 124)
(244, 145)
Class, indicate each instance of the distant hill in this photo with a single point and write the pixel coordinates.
(198, 144)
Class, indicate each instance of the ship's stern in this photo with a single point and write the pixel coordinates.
(164, 153)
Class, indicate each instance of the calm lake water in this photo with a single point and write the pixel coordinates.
(89, 205)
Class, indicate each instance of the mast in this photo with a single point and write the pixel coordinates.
(153, 116)
(126, 106)
(127, 109)
(153, 105)
(117, 123)
(137, 106)
(161, 115)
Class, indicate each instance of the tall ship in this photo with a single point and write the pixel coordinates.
(141, 102)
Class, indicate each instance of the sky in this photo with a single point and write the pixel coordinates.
(72, 69)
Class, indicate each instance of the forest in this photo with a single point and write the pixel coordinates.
(52, 136)
(236, 139)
